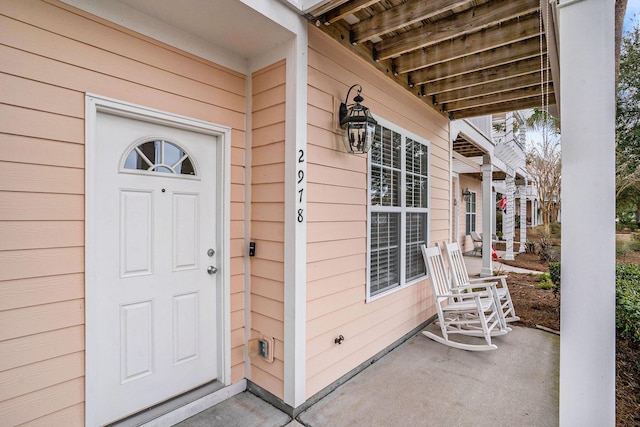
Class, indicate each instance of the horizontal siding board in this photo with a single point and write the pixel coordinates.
(273, 251)
(108, 36)
(35, 348)
(271, 115)
(327, 175)
(322, 193)
(268, 231)
(270, 212)
(267, 174)
(268, 154)
(40, 262)
(78, 78)
(39, 124)
(40, 206)
(40, 290)
(42, 402)
(40, 96)
(22, 149)
(267, 325)
(267, 381)
(40, 234)
(72, 416)
(270, 192)
(40, 318)
(80, 54)
(268, 134)
(40, 179)
(321, 212)
(320, 99)
(267, 288)
(329, 231)
(269, 97)
(329, 157)
(36, 376)
(335, 284)
(335, 249)
(272, 270)
(332, 267)
(268, 307)
(269, 77)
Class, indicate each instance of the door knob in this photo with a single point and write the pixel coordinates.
(212, 270)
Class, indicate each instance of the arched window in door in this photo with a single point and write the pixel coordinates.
(159, 155)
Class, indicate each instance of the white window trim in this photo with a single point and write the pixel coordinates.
(468, 213)
(403, 247)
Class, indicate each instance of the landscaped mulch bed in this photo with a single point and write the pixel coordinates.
(538, 307)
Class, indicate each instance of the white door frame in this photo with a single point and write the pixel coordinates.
(95, 104)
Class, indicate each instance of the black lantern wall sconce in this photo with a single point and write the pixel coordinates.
(358, 127)
(466, 194)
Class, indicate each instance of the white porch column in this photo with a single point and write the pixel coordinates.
(587, 339)
(523, 216)
(488, 214)
(508, 218)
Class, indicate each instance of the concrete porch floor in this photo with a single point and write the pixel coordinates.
(423, 383)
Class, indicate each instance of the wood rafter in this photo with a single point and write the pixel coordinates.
(501, 72)
(491, 38)
(510, 95)
(490, 88)
(480, 61)
(471, 21)
(347, 9)
(463, 57)
(402, 15)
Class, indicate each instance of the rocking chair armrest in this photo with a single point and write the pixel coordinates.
(470, 288)
(484, 279)
(463, 295)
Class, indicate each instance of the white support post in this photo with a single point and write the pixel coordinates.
(587, 338)
(488, 213)
(508, 223)
(523, 216)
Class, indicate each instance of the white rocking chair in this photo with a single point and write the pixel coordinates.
(460, 277)
(460, 309)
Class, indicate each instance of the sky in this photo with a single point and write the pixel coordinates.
(633, 8)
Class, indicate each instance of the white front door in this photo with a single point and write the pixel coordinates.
(156, 253)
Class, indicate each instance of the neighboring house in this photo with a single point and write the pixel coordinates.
(479, 144)
(178, 216)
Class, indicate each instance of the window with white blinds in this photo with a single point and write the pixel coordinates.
(470, 214)
(398, 209)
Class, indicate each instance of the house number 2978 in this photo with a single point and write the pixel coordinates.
(300, 184)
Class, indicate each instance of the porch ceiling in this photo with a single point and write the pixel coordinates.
(466, 57)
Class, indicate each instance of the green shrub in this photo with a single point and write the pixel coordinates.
(554, 275)
(628, 301)
(556, 229)
(635, 237)
(544, 281)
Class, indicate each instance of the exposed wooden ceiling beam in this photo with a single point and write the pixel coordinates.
(490, 88)
(402, 15)
(470, 21)
(349, 8)
(331, 4)
(491, 38)
(503, 55)
(492, 74)
(515, 95)
(501, 107)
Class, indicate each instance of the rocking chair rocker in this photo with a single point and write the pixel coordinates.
(461, 310)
